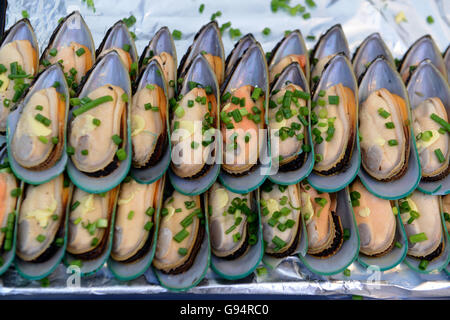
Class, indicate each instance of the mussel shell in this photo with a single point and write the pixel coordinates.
(333, 41)
(371, 48)
(238, 50)
(45, 79)
(207, 39)
(72, 28)
(339, 71)
(291, 44)
(427, 82)
(200, 72)
(107, 70)
(423, 48)
(349, 250)
(302, 164)
(116, 37)
(379, 75)
(253, 59)
(159, 161)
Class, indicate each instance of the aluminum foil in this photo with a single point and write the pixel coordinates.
(359, 18)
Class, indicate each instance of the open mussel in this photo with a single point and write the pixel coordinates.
(18, 65)
(421, 217)
(371, 48)
(99, 127)
(281, 218)
(194, 122)
(149, 117)
(119, 39)
(208, 42)
(180, 235)
(290, 49)
(233, 224)
(389, 156)
(71, 45)
(334, 118)
(162, 48)
(323, 224)
(330, 43)
(135, 220)
(375, 219)
(90, 219)
(423, 48)
(41, 224)
(289, 111)
(429, 95)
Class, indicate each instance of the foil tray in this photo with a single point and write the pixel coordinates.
(359, 18)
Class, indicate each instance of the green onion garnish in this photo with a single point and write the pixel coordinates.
(40, 238)
(180, 236)
(92, 104)
(121, 154)
(439, 155)
(80, 52)
(176, 34)
(419, 237)
(440, 121)
(383, 113)
(392, 142)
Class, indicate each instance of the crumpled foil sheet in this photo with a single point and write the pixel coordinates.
(359, 18)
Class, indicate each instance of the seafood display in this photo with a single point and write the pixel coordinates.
(303, 155)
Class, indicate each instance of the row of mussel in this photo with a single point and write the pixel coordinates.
(112, 124)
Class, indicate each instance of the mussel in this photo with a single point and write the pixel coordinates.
(239, 49)
(429, 96)
(334, 114)
(281, 218)
(446, 209)
(208, 42)
(39, 136)
(323, 225)
(149, 117)
(71, 45)
(332, 42)
(119, 39)
(194, 121)
(41, 223)
(162, 49)
(290, 49)
(232, 223)
(18, 65)
(421, 217)
(243, 112)
(135, 220)
(288, 118)
(375, 219)
(9, 193)
(180, 234)
(90, 220)
(423, 48)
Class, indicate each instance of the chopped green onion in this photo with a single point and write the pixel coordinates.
(148, 226)
(419, 237)
(80, 52)
(439, 155)
(92, 104)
